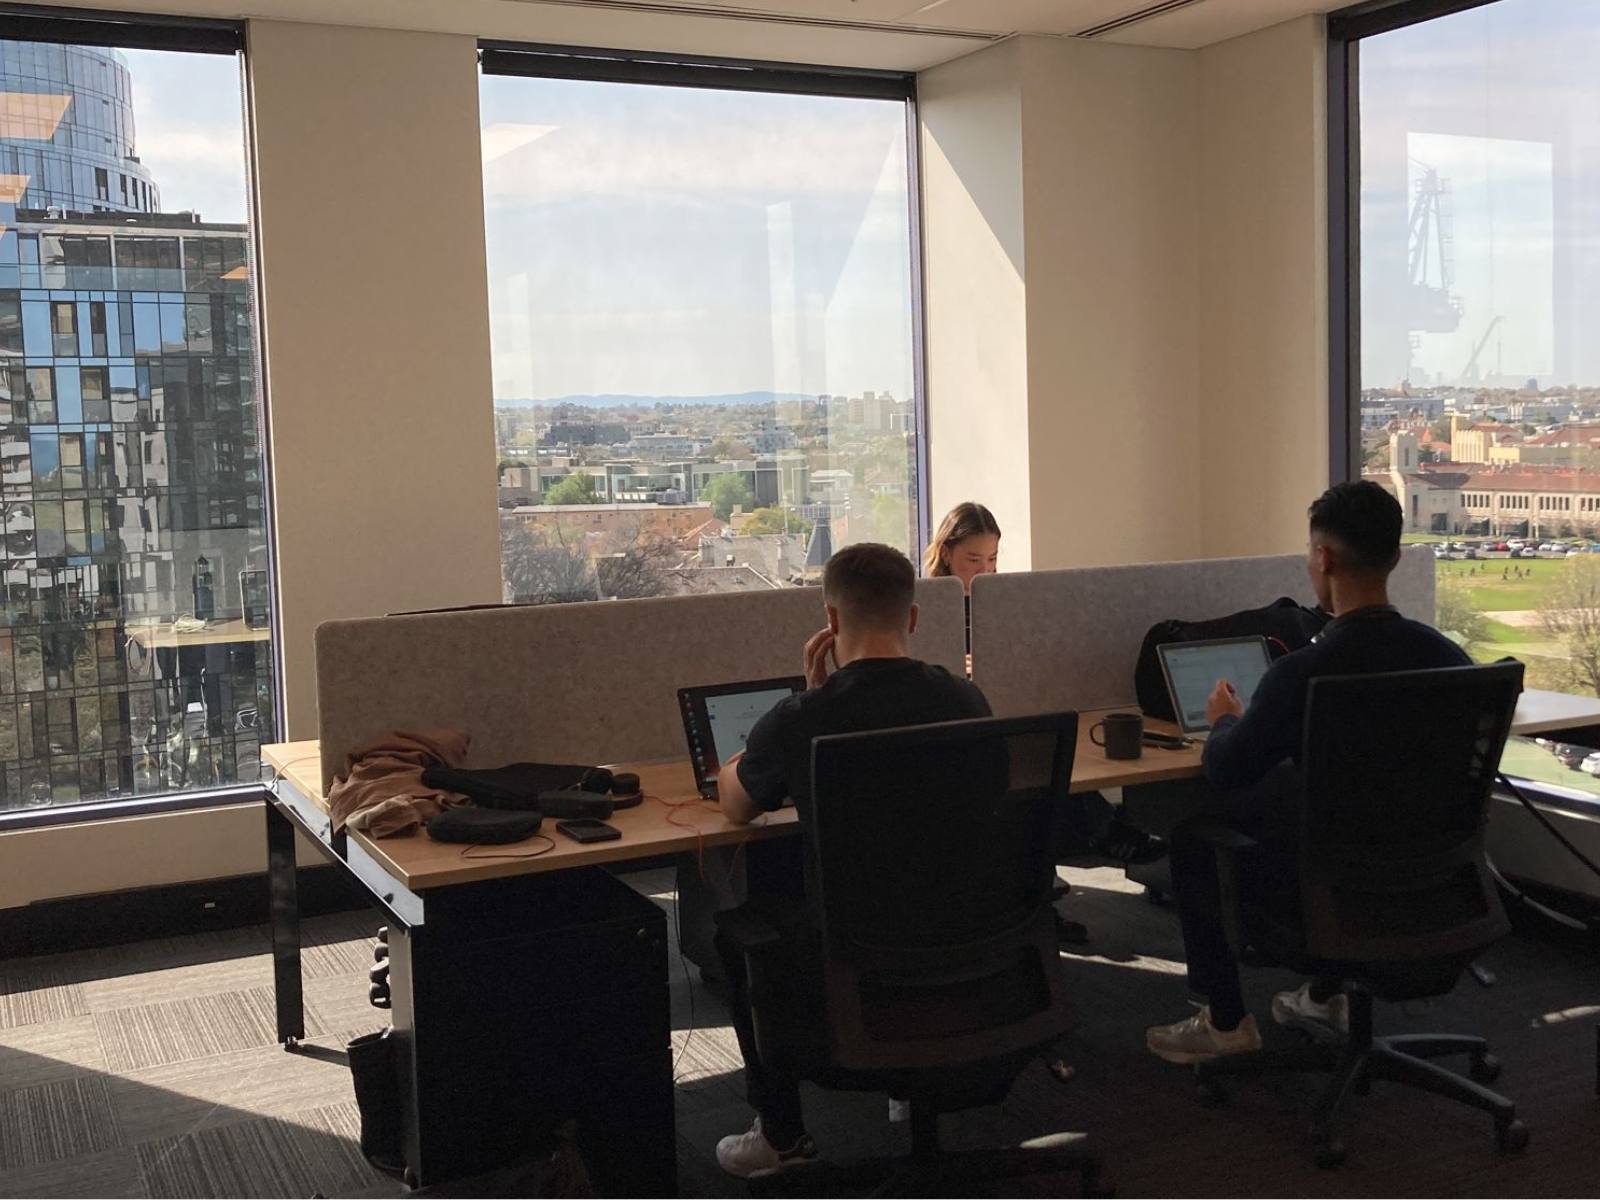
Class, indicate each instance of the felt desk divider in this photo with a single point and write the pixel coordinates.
(586, 682)
(1045, 641)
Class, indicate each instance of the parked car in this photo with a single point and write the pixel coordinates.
(1441, 552)
(1571, 757)
(1499, 547)
(1515, 544)
(1591, 764)
(1525, 552)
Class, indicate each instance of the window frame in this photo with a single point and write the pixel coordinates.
(1347, 27)
(196, 35)
(670, 69)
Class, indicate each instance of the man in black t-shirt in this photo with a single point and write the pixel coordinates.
(1354, 545)
(868, 593)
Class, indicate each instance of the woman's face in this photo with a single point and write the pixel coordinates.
(974, 555)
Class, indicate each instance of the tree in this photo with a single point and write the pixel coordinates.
(1570, 614)
(1454, 613)
(573, 489)
(772, 520)
(728, 447)
(725, 493)
(542, 569)
(635, 564)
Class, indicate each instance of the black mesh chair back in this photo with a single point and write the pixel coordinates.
(1397, 775)
(930, 863)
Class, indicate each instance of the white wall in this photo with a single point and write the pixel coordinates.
(369, 200)
(1165, 223)
(1262, 300)
(975, 293)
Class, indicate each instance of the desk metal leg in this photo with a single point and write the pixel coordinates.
(284, 904)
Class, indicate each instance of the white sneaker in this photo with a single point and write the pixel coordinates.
(1197, 1039)
(749, 1153)
(1290, 1008)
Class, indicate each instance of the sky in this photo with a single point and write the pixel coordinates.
(1501, 102)
(189, 130)
(682, 241)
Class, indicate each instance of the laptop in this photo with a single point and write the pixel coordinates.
(1192, 670)
(717, 721)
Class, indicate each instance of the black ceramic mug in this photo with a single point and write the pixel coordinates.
(1124, 735)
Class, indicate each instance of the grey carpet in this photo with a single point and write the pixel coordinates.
(150, 1070)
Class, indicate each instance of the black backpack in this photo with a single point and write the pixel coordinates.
(1286, 624)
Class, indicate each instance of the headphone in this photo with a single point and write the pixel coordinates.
(623, 785)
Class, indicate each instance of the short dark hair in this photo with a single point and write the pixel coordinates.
(873, 586)
(1365, 520)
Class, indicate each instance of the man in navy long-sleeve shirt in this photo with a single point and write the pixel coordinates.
(1354, 545)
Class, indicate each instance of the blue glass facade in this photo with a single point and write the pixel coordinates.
(134, 653)
(83, 160)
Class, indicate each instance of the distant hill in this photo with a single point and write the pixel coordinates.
(616, 401)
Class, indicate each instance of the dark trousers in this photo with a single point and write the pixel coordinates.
(1268, 812)
(783, 993)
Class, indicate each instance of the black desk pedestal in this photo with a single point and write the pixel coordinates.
(520, 1006)
(526, 1004)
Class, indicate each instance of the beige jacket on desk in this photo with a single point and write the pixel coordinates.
(381, 791)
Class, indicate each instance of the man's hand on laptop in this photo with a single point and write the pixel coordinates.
(816, 655)
(1223, 702)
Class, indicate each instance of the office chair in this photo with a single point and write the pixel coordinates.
(929, 868)
(1394, 895)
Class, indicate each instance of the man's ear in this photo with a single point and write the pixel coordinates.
(915, 612)
(833, 618)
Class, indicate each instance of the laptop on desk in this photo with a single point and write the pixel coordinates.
(717, 721)
(1192, 670)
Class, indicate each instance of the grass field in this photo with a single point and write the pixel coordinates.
(1489, 590)
(1525, 760)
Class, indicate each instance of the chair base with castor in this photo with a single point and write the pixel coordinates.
(929, 1170)
(1353, 1061)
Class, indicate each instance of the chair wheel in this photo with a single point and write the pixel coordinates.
(383, 934)
(380, 951)
(1512, 1136)
(378, 995)
(1330, 1154)
(1485, 1070)
(1210, 1093)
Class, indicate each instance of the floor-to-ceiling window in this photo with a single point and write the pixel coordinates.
(134, 615)
(1476, 367)
(702, 291)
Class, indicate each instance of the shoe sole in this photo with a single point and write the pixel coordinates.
(1188, 1058)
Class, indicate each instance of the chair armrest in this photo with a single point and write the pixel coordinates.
(1229, 845)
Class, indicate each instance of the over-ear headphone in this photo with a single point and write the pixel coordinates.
(623, 786)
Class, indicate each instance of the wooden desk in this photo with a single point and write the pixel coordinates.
(218, 633)
(672, 819)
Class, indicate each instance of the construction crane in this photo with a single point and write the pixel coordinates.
(1469, 373)
(1430, 243)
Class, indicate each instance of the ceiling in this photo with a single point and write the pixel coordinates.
(893, 34)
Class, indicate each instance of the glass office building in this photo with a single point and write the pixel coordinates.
(131, 479)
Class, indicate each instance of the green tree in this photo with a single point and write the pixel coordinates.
(574, 489)
(1454, 613)
(726, 492)
(728, 447)
(1570, 614)
(771, 520)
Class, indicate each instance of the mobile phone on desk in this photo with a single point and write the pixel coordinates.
(1167, 741)
(586, 829)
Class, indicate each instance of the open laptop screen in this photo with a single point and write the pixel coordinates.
(717, 720)
(1193, 669)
